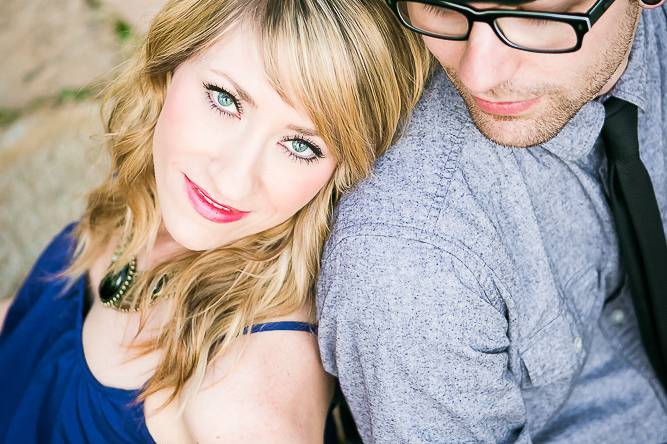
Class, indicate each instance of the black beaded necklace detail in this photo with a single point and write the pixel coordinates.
(114, 286)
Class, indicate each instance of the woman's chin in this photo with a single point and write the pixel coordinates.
(196, 239)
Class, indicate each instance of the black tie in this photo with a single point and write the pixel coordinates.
(639, 228)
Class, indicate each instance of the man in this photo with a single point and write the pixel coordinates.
(474, 290)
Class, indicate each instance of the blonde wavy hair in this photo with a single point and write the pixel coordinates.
(357, 73)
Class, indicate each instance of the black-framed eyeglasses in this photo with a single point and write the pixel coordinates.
(534, 31)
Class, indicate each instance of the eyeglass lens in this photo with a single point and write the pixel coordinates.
(524, 32)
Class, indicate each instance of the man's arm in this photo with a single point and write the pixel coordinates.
(420, 352)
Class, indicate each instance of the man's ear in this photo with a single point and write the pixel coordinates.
(650, 4)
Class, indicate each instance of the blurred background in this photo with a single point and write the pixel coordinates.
(55, 56)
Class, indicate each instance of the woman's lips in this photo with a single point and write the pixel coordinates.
(505, 108)
(208, 207)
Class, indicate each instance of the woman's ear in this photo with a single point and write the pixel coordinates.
(650, 4)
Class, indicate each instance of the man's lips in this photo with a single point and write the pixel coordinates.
(210, 208)
(505, 108)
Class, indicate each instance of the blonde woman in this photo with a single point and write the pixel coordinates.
(179, 308)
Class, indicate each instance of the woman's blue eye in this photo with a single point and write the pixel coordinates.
(301, 149)
(299, 146)
(223, 101)
(226, 101)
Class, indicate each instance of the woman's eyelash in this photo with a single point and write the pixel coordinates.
(312, 145)
(209, 88)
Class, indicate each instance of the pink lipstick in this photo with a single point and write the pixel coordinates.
(210, 208)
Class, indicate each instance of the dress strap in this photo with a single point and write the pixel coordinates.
(283, 325)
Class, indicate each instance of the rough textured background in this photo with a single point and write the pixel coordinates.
(55, 55)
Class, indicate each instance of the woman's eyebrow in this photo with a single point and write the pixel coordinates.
(306, 131)
(245, 96)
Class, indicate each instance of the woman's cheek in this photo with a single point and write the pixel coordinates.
(297, 189)
(186, 122)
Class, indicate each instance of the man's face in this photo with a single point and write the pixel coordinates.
(518, 98)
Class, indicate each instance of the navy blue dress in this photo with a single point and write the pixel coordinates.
(47, 392)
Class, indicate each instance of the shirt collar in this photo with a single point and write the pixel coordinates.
(578, 136)
(633, 84)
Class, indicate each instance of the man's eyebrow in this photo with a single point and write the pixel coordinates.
(539, 4)
(245, 96)
(305, 131)
(556, 5)
(500, 2)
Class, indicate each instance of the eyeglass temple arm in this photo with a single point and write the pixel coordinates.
(597, 10)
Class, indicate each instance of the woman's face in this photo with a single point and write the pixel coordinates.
(231, 157)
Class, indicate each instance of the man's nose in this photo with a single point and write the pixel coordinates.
(487, 62)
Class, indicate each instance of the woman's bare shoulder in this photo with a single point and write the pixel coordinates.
(270, 387)
(4, 308)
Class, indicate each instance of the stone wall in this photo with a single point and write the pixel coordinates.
(55, 57)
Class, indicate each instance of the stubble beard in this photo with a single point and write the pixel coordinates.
(559, 104)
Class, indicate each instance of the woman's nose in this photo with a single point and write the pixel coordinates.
(237, 167)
